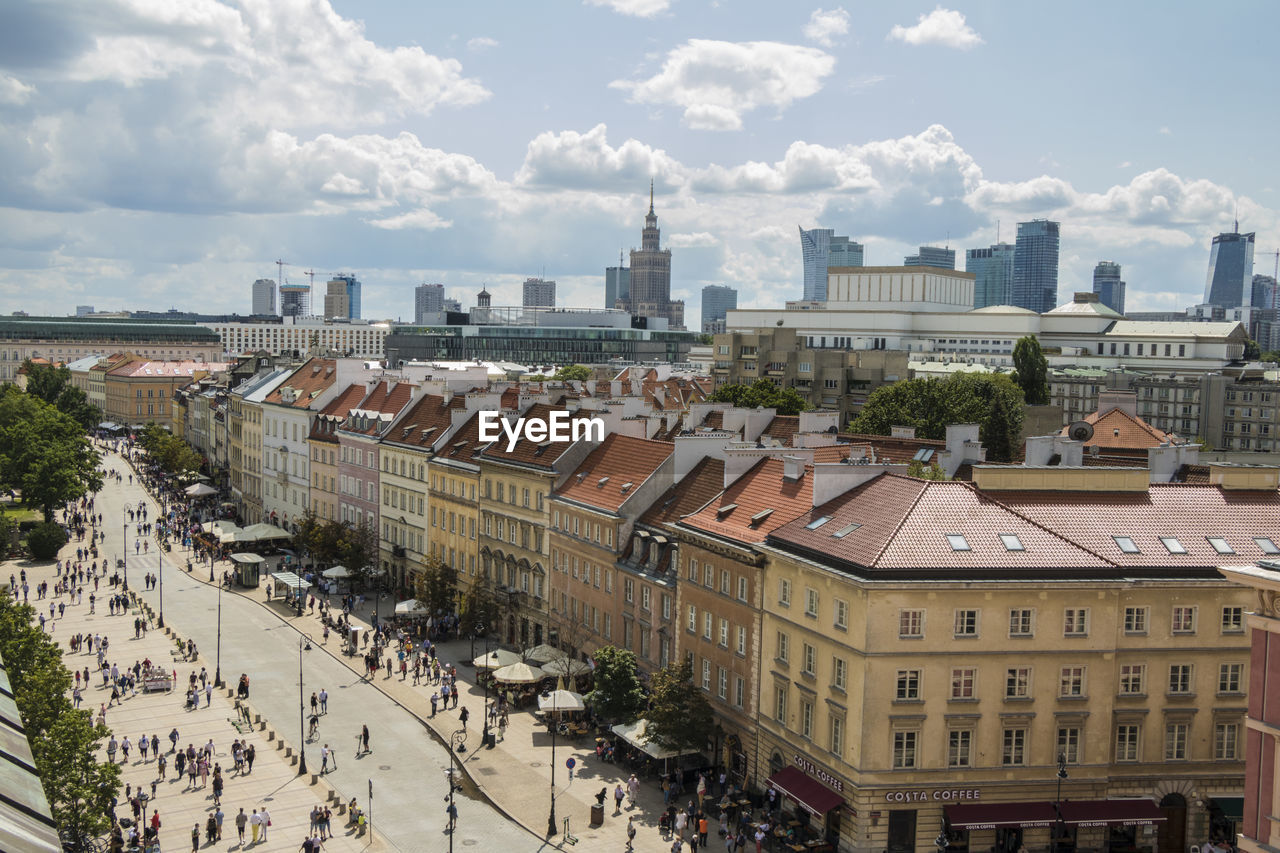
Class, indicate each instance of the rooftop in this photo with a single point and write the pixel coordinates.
(614, 471)
(142, 369)
(755, 504)
(703, 482)
(315, 376)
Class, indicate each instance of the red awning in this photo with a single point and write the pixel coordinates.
(1111, 812)
(809, 793)
(999, 815)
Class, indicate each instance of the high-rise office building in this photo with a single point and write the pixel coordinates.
(650, 279)
(264, 296)
(617, 285)
(932, 256)
(539, 293)
(84, 310)
(453, 305)
(342, 297)
(844, 252)
(821, 248)
(717, 301)
(993, 271)
(1108, 286)
(295, 300)
(1230, 279)
(1265, 292)
(428, 303)
(1035, 265)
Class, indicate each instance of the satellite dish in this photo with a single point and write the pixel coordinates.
(1080, 431)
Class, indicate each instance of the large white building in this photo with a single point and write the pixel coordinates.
(356, 338)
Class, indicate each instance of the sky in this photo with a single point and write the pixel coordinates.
(165, 154)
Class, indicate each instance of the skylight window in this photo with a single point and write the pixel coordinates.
(957, 542)
(1173, 545)
(1267, 546)
(846, 530)
(817, 522)
(1125, 544)
(924, 454)
(1220, 545)
(1011, 542)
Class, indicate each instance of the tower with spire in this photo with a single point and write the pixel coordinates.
(650, 276)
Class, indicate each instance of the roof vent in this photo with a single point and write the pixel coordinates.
(725, 510)
(759, 517)
(426, 432)
(626, 487)
(581, 475)
(600, 484)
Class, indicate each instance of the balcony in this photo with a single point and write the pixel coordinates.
(397, 551)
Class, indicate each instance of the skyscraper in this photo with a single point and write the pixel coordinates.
(342, 298)
(295, 300)
(617, 284)
(1108, 286)
(1035, 265)
(717, 301)
(821, 248)
(264, 296)
(844, 253)
(428, 303)
(932, 256)
(993, 268)
(650, 280)
(1265, 292)
(1230, 278)
(539, 293)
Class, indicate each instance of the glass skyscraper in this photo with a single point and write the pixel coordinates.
(993, 271)
(717, 301)
(1035, 265)
(844, 253)
(932, 256)
(1108, 286)
(821, 248)
(1230, 280)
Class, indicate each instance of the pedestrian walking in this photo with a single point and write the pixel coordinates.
(452, 811)
(324, 701)
(249, 756)
(618, 795)
(255, 826)
(463, 717)
(242, 820)
(266, 822)
(364, 738)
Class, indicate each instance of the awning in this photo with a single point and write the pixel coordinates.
(999, 815)
(1232, 808)
(290, 580)
(1111, 813)
(810, 794)
(635, 734)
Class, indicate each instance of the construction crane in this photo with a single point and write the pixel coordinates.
(311, 276)
(282, 264)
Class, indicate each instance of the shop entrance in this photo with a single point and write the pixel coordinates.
(1173, 831)
(1008, 839)
(902, 831)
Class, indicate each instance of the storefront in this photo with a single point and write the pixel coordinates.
(1009, 821)
(817, 797)
(1225, 816)
(1118, 826)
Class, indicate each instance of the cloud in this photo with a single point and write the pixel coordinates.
(586, 160)
(13, 91)
(717, 82)
(823, 26)
(946, 27)
(481, 43)
(422, 219)
(634, 8)
(698, 239)
(1165, 131)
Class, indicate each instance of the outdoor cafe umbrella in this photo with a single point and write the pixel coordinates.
(543, 653)
(412, 607)
(264, 532)
(199, 490)
(561, 700)
(336, 573)
(496, 659)
(519, 673)
(566, 666)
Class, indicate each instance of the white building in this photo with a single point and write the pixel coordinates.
(306, 335)
(264, 296)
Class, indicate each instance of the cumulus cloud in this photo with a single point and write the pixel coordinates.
(698, 239)
(13, 91)
(946, 27)
(634, 8)
(586, 160)
(481, 43)
(717, 82)
(825, 25)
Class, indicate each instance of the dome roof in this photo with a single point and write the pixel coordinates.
(1002, 309)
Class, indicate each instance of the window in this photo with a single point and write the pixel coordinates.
(1013, 751)
(962, 682)
(724, 633)
(904, 750)
(811, 602)
(1128, 738)
(1126, 544)
(742, 640)
(1011, 542)
(780, 704)
(693, 569)
(784, 647)
(1180, 678)
(837, 735)
(1173, 545)
(910, 624)
(957, 542)
(1075, 622)
(645, 593)
(708, 576)
(666, 599)
(1232, 620)
(724, 581)
(629, 591)
(841, 614)
(966, 623)
(1017, 683)
(1133, 677)
(706, 675)
(908, 685)
(784, 592)
(1175, 741)
(693, 619)
(1219, 544)
(1071, 682)
(1267, 546)
(959, 747)
(806, 719)
(742, 588)
(839, 673)
(1069, 743)
(1020, 622)
(1229, 677)
(1184, 620)
(1135, 620)
(706, 624)
(1225, 738)
(739, 691)
(722, 682)
(810, 659)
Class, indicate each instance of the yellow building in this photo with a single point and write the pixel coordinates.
(322, 443)
(139, 391)
(453, 475)
(246, 441)
(932, 650)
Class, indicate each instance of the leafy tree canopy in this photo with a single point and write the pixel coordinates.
(1031, 370)
(617, 696)
(44, 453)
(1251, 350)
(53, 385)
(679, 714)
(579, 372)
(436, 585)
(1270, 355)
(762, 393)
(169, 452)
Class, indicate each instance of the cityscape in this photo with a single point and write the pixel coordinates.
(777, 446)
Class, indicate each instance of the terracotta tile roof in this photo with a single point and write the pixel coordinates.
(145, 369)
(739, 512)
(422, 424)
(510, 398)
(714, 420)
(783, 428)
(465, 444)
(614, 471)
(896, 450)
(835, 452)
(311, 379)
(336, 410)
(703, 482)
(537, 454)
(1117, 429)
(388, 397)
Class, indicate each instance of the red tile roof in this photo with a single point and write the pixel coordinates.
(614, 471)
(536, 454)
(425, 421)
(388, 397)
(895, 450)
(739, 512)
(783, 429)
(1117, 429)
(310, 380)
(704, 481)
(337, 410)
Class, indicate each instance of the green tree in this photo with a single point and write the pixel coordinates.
(1270, 355)
(577, 372)
(44, 453)
(8, 530)
(1031, 370)
(992, 401)
(679, 715)
(617, 696)
(436, 585)
(1251, 350)
(358, 549)
(45, 539)
(761, 393)
(479, 609)
(53, 385)
(920, 470)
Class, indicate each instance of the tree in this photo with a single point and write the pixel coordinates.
(479, 608)
(679, 715)
(762, 393)
(358, 549)
(992, 401)
(1251, 350)
(168, 451)
(53, 385)
(617, 696)
(921, 471)
(436, 585)
(44, 452)
(45, 539)
(576, 372)
(1270, 355)
(1031, 370)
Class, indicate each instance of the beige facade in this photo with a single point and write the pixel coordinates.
(140, 392)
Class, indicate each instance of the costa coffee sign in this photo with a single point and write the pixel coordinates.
(818, 773)
(944, 795)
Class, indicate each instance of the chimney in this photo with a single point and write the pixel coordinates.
(1164, 462)
(1085, 296)
(833, 479)
(690, 449)
(962, 446)
(792, 468)
(1125, 401)
(756, 421)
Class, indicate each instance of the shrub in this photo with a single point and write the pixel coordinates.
(45, 539)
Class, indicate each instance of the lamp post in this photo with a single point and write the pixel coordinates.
(304, 644)
(457, 742)
(217, 671)
(1057, 804)
(555, 724)
(484, 738)
(124, 563)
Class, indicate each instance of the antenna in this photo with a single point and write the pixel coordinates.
(1237, 216)
(947, 245)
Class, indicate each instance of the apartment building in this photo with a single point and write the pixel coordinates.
(139, 391)
(453, 472)
(324, 450)
(359, 499)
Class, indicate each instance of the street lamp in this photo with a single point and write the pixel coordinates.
(485, 735)
(555, 724)
(304, 644)
(1057, 805)
(457, 742)
(217, 672)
